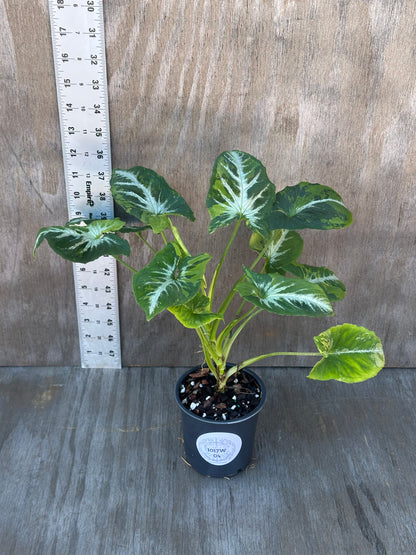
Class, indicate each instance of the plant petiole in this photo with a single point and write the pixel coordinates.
(145, 242)
(221, 262)
(253, 360)
(125, 264)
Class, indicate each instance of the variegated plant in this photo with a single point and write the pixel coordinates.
(174, 279)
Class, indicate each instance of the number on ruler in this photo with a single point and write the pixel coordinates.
(90, 5)
(79, 56)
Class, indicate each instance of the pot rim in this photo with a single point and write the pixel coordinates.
(221, 422)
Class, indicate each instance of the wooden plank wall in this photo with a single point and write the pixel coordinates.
(319, 90)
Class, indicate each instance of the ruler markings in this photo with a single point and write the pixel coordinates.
(80, 70)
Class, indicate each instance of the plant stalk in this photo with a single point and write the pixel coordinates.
(207, 353)
(178, 238)
(231, 294)
(182, 245)
(125, 264)
(253, 360)
(229, 343)
(221, 262)
(229, 328)
(145, 242)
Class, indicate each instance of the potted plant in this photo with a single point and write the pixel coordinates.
(222, 397)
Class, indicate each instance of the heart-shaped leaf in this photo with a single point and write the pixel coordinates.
(192, 314)
(84, 240)
(283, 295)
(146, 195)
(168, 280)
(282, 248)
(351, 354)
(240, 189)
(309, 205)
(333, 287)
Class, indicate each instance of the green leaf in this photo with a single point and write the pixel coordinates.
(309, 205)
(192, 314)
(84, 240)
(283, 295)
(168, 280)
(146, 195)
(334, 288)
(282, 248)
(134, 228)
(240, 189)
(351, 354)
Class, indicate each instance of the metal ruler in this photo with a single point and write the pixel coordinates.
(81, 82)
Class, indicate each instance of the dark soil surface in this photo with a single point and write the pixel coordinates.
(198, 394)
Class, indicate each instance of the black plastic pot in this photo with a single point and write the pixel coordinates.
(219, 449)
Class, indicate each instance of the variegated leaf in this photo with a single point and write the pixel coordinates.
(193, 313)
(282, 248)
(134, 228)
(240, 189)
(283, 295)
(333, 287)
(309, 205)
(85, 240)
(146, 195)
(351, 354)
(168, 280)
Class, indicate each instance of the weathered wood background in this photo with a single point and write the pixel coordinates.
(319, 90)
(87, 469)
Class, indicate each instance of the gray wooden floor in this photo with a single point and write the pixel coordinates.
(90, 463)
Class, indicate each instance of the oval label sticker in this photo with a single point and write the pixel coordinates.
(219, 448)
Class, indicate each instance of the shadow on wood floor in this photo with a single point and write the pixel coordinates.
(90, 463)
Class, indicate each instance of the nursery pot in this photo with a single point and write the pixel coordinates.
(219, 448)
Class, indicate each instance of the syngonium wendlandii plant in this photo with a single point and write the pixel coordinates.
(240, 190)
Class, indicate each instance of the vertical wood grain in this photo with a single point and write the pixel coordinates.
(319, 91)
(38, 321)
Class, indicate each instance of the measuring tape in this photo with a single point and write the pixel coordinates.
(81, 81)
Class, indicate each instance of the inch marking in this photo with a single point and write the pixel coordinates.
(80, 70)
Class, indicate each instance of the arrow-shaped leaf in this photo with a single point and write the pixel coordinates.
(309, 205)
(84, 240)
(282, 248)
(240, 189)
(333, 287)
(351, 354)
(168, 280)
(283, 295)
(146, 195)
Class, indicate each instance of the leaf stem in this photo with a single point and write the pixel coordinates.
(207, 353)
(231, 294)
(248, 316)
(229, 328)
(145, 242)
(125, 264)
(178, 238)
(221, 262)
(253, 360)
